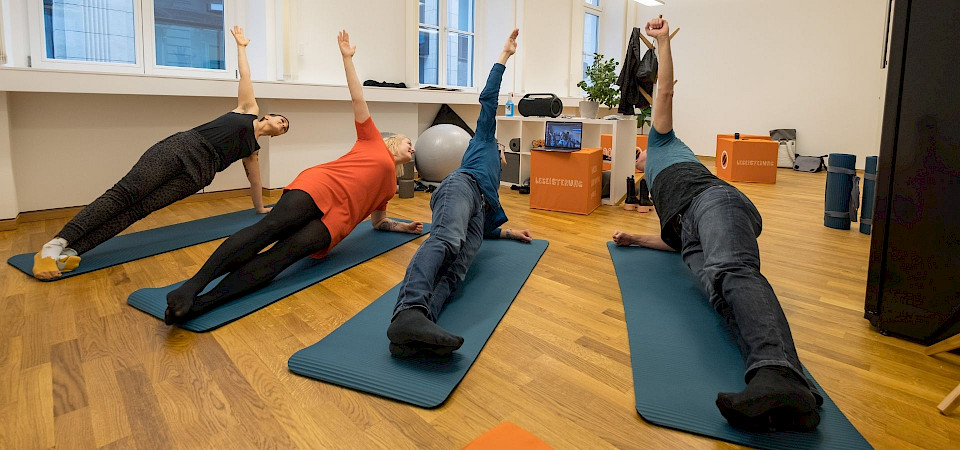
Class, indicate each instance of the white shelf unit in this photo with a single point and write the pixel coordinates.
(623, 153)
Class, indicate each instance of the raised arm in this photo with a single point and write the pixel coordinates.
(246, 102)
(487, 121)
(360, 111)
(663, 104)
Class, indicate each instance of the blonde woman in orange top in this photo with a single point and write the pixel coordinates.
(316, 211)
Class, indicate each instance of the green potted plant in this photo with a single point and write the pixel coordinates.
(602, 76)
(643, 119)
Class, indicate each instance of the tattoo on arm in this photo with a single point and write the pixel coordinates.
(386, 225)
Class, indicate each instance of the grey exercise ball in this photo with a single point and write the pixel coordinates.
(439, 151)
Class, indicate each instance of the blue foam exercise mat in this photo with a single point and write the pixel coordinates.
(837, 193)
(683, 354)
(133, 246)
(361, 245)
(356, 354)
(869, 194)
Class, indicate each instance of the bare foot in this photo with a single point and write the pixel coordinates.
(624, 239)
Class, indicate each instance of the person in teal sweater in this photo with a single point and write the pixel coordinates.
(466, 209)
(715, 227)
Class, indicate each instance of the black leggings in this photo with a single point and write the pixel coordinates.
(158, 179)
(293, 224)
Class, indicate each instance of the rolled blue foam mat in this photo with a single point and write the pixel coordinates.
(869, 195)
(683, 354)
(838, 191)
(362, 244)
(356, 354)
(133, 246)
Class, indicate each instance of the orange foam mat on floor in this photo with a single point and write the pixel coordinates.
(507, 436)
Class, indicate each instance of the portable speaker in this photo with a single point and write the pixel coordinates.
(545, 105)
(515, 145)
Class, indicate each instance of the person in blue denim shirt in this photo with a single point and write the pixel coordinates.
(715, 227)
(466, 209)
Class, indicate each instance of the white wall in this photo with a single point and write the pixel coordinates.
(495, 22)
(376, 27)
(546, 53)
(755, 65)
(17, 33)
(8, 189)
(67, 149)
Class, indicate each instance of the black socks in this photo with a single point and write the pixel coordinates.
(775, 399)
(411, 333)
(179, 302)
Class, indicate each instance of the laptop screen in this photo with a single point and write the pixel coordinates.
(563, 136)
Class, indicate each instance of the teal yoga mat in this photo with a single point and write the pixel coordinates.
(363, 244)
(355, 355)
(683, 354)
(841, 194)
(131, 247)
(869, 195)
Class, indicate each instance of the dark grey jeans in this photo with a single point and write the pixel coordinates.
(719, 235)
(455, 237)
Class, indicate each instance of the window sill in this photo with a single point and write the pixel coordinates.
(14, 79)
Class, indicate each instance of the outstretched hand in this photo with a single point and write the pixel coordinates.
(510, 47)
(238, 35)
(520, 235)
(622, 239)
(343, 39)
(413, 227)
(658, 28)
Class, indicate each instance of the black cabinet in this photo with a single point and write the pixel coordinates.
(913, 287)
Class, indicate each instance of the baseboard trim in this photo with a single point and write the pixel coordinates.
(59, 213)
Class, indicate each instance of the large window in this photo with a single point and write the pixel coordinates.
(81, 30)
(188, 36)
(446, 42)
(189, 33)
(591, 33)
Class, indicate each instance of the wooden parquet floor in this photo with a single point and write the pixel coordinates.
(80, 369)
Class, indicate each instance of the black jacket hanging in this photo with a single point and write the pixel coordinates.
(637, 73)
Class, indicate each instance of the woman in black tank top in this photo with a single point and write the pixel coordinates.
(170, 170)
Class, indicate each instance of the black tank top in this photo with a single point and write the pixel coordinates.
(232, 135)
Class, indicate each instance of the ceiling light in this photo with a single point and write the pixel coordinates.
(650, 2)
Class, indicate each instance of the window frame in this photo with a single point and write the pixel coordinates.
(144, 47)
(595, 10)
(40, 60)
(443, 32)
(150, 47)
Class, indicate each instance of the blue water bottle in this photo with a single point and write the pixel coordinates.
(509, 109)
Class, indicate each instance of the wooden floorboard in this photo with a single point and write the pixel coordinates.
(79, 368)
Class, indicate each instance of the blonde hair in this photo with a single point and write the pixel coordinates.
(393, 144)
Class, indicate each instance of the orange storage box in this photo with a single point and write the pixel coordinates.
(566, 181)
(747, 159)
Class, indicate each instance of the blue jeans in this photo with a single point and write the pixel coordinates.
(719, 236)
(441, 263)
